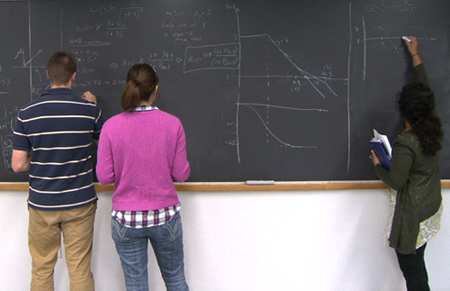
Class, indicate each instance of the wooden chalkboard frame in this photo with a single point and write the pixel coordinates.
(241, 186)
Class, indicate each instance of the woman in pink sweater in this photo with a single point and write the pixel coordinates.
(142, 151)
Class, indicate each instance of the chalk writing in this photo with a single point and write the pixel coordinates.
(283, 41)
(296, 85)
(200, 14)
(181, 29)
(326, 71)
(99, 83)
(406, 7)
(116, 29)
(40, 88)
(221, 56)
(87, 27)
(117, 33)
(231, 142)
(116, 25)
(112, 28)
(399, 8)
(7, 147)
(103, 9)
(86, 70)
(85, 56)
(5, 82)
(375, 8)
(164, 55)
(130, 12)
(79, 42)
(162, 60)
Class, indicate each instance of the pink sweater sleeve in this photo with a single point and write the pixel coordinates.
(181, 169)
(105, 162)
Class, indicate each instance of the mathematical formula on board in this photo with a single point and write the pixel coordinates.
(267, 91)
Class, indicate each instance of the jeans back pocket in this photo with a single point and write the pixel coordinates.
(118, 231)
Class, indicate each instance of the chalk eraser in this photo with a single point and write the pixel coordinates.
(259, 182)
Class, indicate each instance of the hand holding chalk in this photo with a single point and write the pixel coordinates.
(89, 97)
(407, 39)
(413, 47)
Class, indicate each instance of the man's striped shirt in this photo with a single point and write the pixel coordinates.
(58, 129)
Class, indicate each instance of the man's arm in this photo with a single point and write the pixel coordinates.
(20, 161)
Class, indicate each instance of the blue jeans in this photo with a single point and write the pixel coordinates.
(167, 243)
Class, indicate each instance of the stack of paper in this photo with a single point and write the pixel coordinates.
(382, 147)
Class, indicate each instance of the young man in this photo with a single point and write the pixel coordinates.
(52, 139)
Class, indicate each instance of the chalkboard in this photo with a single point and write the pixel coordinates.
(280, 90)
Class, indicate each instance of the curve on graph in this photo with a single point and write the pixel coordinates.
(272, 134)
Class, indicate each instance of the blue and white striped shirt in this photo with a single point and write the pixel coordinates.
(58, 129)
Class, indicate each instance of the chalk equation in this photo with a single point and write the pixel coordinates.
(121, 12)
(396, 8)
(7, 147)
(221, 56)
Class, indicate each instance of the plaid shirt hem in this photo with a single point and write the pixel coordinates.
(146, 218)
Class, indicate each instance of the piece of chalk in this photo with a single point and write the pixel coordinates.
(407, 39)
(259, 182)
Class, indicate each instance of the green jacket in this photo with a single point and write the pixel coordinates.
(417, 179)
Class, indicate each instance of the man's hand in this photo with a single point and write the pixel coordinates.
(89, 97)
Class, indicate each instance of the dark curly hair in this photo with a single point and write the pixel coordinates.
(416, 104)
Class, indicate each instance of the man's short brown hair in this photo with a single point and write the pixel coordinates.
(60, 67)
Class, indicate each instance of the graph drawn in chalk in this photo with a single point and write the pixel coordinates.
(265, 123)
(26, 63)
(239, 58)
(384, 36)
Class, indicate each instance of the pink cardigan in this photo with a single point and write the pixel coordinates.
(142, 153)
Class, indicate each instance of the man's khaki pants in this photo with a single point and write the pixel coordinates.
(44, 241)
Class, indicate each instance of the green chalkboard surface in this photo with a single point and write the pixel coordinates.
(279, 90)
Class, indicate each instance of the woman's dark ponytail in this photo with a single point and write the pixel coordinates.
(141, 83)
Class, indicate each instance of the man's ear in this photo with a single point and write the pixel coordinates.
(48, 76)
(73, 77)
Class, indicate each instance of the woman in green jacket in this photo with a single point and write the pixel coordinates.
(414, 177)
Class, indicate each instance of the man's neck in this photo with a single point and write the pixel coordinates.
(60, 86)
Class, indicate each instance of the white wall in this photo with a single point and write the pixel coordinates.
(252, 241)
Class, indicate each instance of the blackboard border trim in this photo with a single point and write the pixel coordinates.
(241, 186)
